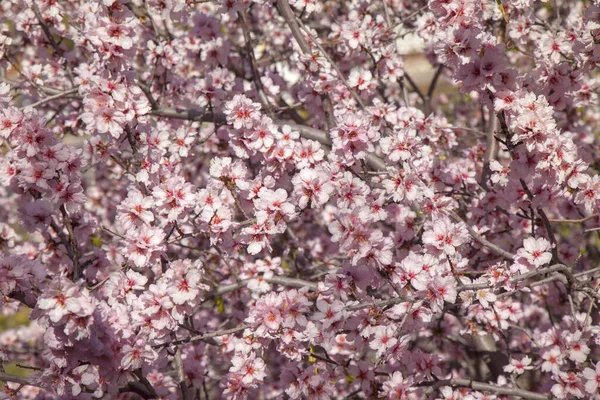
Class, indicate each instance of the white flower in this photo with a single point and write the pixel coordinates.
(518, 366)
(536, 251)
(593, 379)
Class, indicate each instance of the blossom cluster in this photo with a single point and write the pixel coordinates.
(262, 199)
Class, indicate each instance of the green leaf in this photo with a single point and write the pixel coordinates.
(502, 10)
(220, 304)
(96, 241)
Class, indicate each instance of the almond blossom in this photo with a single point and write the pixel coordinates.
(593, 379)
(517, 367)
(250, 199)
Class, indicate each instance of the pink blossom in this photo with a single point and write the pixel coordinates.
(135, 210)
(568, 384)
(250, 368)
(553, 359)
(134, 356)
(397, 387)
(242, 112)
(299, 198)
(518, 366)
(144, 245)
(593, 379)
(383, 340)
(536, 251)
(267, 314)
(311, 186)
(9, 121)
(445, 236)
(272, 205)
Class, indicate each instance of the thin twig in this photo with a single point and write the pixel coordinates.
(290, 18)
(276, 280)
(73, 241)
(333, 64)
(499, 251)
(415, 87)
(491, 149)
(51, 98)
(250, 50)
(198, 338)
(55, 46)
(432, 86)
(4, 377)
(180, 374)
(486, 387)
(572, 221)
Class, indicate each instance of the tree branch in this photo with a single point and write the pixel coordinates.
(137, 388)
(260, 90)
(55, 46)
(180, 374)
(486, 387)
(290, 18)
(204, 337)
(481, 240)
(23, 380)
(73, 241)
(333, 65)
(60, 95)
(276, 280)
(491, 149)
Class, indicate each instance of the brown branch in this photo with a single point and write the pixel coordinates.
(510, 147)
(144, 381)
(75, 253)
(180, 374)
(148, 94)
(188, 115)
(434, 81)
(137, 388)
(461, 128)
(307, 132)
(70, 243)
(374, 162)
(204, 337)
(403, 21)
(276, 280)
(260, 90)
(481, 240)
(415, 87)
(376, 304)
(23, 380)
(486, 387)
(55, 46)
(333, 65)
(432, 86)
(565, 274)
(290, 18)
(22, 298)
(491, 149)
(545, 222)
(573, 221)
(60, 95)
(553, 268)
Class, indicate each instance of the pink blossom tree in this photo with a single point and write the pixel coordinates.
(254, 199)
